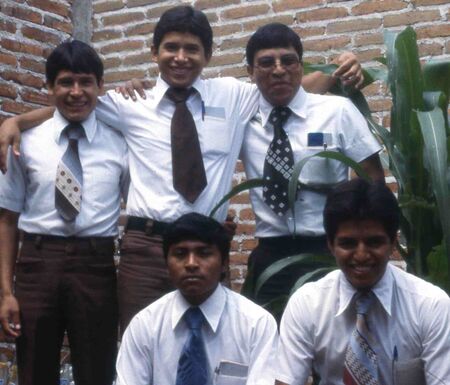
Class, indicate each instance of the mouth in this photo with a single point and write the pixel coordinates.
(192, 278)
(362, 269)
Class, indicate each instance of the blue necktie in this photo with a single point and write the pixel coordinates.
(69, 176)
(361, 362)
(193, 363)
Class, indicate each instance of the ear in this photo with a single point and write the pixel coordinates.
(330, 246)
(250, 71)
(101, 83)
(154, 51)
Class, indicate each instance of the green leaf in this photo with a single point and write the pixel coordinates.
(325, 68)
(248, 184)
(436, 75)
(308, 276)
(438, 267)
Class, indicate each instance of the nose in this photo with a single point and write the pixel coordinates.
(191, 261)
(76, 89)
(181, 55)
(279, 68)
(361, 252)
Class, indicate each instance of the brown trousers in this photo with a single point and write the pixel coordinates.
(143, 276)
(67, 285)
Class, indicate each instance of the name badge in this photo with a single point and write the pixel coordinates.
(319, 139)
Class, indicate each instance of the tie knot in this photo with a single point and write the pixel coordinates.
(364, 301)
(279, 115)
(179, 95)
(74, 131)
(194, 318)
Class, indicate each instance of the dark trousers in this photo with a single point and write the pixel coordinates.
(270, 250)
(143, 276)
(67, 285)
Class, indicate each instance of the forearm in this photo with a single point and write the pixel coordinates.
(8, 249)
(317, 82)
(33, 118)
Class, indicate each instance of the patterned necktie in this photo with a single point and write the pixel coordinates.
(189, 177)
(361, 363)
(278, 164)
(193, 363)
(69, 176)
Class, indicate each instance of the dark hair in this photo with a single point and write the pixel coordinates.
(273, 35)
(359, 199)
(184, 19)
(74, 56)
(194, 226)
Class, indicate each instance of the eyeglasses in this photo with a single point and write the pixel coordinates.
(269, 63)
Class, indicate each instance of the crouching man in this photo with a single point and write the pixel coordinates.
(202, 333)
(368, 322)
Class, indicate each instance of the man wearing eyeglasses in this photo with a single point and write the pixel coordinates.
(290, 126)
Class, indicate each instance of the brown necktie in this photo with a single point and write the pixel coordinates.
(189, 177)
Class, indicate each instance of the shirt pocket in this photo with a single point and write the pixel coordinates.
(222, 379)
(231, 373)
(216, 135)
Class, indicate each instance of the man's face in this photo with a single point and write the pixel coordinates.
(195, 268)
(362, 250)
(278, 74)
(75, 95)
(181, 58)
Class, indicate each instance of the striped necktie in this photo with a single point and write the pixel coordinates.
(361, 362)
(69, 176)
(193, 362)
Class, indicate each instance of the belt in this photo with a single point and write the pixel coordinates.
(92, 242)
(147, 226)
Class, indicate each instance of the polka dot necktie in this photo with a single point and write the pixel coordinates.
(69, 176)
(361, 361)
(278, 163)
(193, 362)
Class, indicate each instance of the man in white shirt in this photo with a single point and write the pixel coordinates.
(315, 123)
(237, 338)
(406, 326)
(64, 194)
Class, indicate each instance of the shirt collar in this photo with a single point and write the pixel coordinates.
(298, 106)
(383, 291)
(161, 87)
(212, 308)
(89, 126)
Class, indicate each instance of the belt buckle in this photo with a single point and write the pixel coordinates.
(149, 226)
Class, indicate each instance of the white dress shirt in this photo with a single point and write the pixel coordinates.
(29, 185)
(410, 315)
(221, 109)
(343, 129)
(236, 330)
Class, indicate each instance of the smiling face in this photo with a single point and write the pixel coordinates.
(75, 94)
(280, 82)
(195, 268)
(181, 58)
(362, 249)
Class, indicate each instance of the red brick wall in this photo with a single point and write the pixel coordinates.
(122, 35)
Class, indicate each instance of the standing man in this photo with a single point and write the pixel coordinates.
(368, 322)
(64, 194)
(202, 333)
(291, 125)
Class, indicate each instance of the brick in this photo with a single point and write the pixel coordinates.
(249, 244)
(379, 105)
(246, 215)
(212, 17)
(245, 229)
(40, 35)
(447, 47)
(430, 49)
(209, 4)
(241, 198)
(106, 34)
(353, 25)
(253, 25)
(433, 31)
(428, 2)
(326, 44)
(236, 274)
(143, 58)
(21, 13)
(112, 62)
(322, 14)
(155, 13)
(236, 58)
(239, 167)
(34, 97)
(128, 45)
(32, 65)
(60, 25)
(16, 46)
(224, 30)
(123, 76)
(236, 72)
(233, 43)
(314, 59)
(25, 79)
(123, 18)
(145, 28)
(139, 3)
(285, 5)
(304, 32)
(369, 54)
(239, 258)
(8, 90)
(245, 11)
(409, 18)
(368, 39)
(8, 59)
(234, 245)
(374, 6)
(107, 6)
(7, 26)
(14, 107)
(51, 6)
